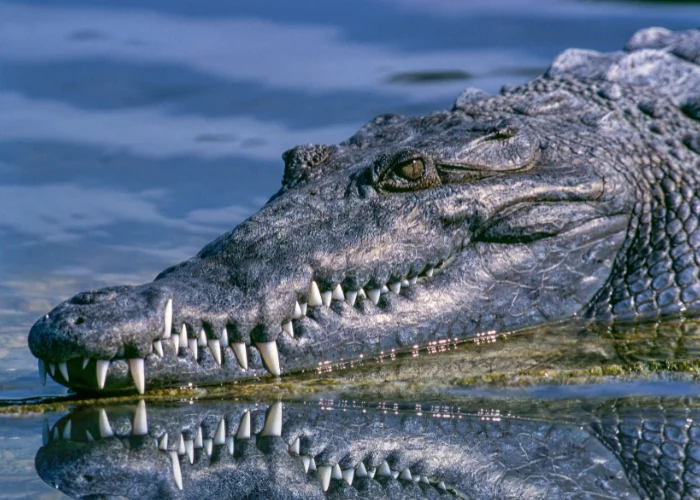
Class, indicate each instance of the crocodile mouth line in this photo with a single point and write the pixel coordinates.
(185, 343)
(214, 439)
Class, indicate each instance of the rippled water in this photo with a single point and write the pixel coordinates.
(132, 133)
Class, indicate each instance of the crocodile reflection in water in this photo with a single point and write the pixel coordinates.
(618, 449)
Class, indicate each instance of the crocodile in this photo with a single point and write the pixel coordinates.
(623, 448)
(573, 195)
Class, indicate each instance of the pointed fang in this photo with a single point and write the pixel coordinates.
(241, 354)
(202, 339)
(105, 429)
(374, 295)
(192, 344)
(183, 337)
(158, 347)
(338, 293)
(244, 427)
(326, 298)
(220, 436)
(295, 446)
(224, 337)
(324, 471)
(351, 297)
(361, 471)
(349, 475)
(288, 328)
(270, 356)
(297, 311)
(395, 288)
(168, 319)
(137, 374)
(273, 422)
(384, 469)
(406, 475)
(215, 348)
(102, 366)
(63, 368)
(177, 473)
(314, 295)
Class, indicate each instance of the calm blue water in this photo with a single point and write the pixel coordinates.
(133, 132)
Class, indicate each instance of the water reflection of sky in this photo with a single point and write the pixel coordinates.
(132, 134)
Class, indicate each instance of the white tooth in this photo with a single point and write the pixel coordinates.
(406, 475)
(158, 347)
(63, 368)
(416, 478)
(294, 447)
(241, 354)
(42, 372)
(273, 422)
(105, 428)
(306, 461)
(137, 374)
(303, 308)
(395, 287)
(326, 298)
(215, 348)
(374, 295)
(202, 339)
(413, 280)
(424, 479)
(314, 295)
(88, 435)
(163, 443)
(177, 473)
(336, 473)
(220, 436)
(361, 471)
(176, 343)
(349, 475)
(324, 472)
(351, 297)
(181, 447)
(244, 427)
(224, 337)
(297, 311)
(361, 293)
(229, 444)
(85, 362)
(429, 272)
(189, 450)
(192, 344)
(183, 337)
(45, 432)
(288, 328)
(168, 323)
(384, 289)
(270, 356)
(199, 439)
(384, 469)
(441, 486)
(338, 293)
(102, 366)
(372, 472)
(404, 283)
(209, 446)
(140, 427)
(312, 464)
(66, 431)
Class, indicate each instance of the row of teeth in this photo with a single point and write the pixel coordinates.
(268, 350)
(272, 427)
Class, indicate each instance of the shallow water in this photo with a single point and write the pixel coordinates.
(131, 135)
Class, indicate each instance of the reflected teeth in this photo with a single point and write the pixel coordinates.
(215, 348)
(220, 436)
(66, 431)
(168, 319)
(102, 366)
(52, 369)
(189, 450)
(273, 422)
(199, 439)
(105, 428)
(181, 447)
(241, 354)
(63, 368)
(183, 336)
(244, 427)
(140, 427)
(314, 295)
(137, 374)
(177, 473)
(192, 344)
(268, 351)
(42, 371)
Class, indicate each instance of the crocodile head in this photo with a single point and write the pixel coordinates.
(496, 215)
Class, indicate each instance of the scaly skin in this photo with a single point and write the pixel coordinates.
(574, 194)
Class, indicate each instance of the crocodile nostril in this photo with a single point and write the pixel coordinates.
(80, 320)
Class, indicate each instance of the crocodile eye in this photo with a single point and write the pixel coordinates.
(411, 170)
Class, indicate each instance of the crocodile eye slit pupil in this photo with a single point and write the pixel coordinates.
(411, 170)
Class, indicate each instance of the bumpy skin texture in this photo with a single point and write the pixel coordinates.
(486, 455)
(574, 194)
